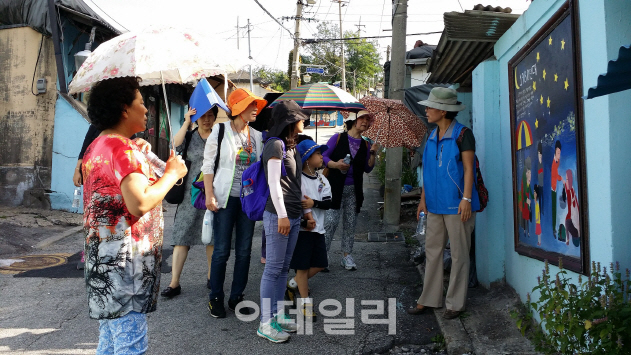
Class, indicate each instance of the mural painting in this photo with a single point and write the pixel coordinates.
(547, 147)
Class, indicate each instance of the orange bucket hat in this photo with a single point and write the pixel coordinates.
(240, 99)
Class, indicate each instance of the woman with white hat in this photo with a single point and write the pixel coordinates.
(347, 181)
(449, 200)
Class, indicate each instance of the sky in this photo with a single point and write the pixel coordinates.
(270, 44)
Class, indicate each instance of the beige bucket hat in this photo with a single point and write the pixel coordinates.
(445, 99)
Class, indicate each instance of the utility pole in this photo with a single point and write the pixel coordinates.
(392, 200)
(237, 32)
(359, 27)
(250, 57)
(343, 60)
(388, 54)
(295, 74)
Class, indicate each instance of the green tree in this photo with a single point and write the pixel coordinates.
(362, 62)
(361, 56)
(277, 79)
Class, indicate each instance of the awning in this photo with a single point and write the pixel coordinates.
(467, 41)
(34, 13)
(617, 78)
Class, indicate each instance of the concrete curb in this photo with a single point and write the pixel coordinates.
(457, 340)
(57, 237)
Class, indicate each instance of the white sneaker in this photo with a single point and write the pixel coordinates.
(287, 324)
(272, 331)
(348, 263)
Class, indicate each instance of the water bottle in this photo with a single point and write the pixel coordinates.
(422, 222)
(247, 188)
(76, 199)
(207, 229)
(156, 163)
(347, 160)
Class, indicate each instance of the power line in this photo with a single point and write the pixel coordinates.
(274, 18)
(108, 15)
(460, 6)
(314, 40)
(381, 21)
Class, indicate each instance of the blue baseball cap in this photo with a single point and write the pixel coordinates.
(307, 147)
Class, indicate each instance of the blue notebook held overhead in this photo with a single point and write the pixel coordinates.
(204, 97)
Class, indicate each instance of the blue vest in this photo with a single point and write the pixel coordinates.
(443, 173)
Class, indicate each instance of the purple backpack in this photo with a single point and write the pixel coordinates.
(254, 187)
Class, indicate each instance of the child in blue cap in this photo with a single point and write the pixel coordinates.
(310, 255)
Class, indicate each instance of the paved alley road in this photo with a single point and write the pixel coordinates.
(49, 316)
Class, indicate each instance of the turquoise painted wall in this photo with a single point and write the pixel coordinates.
(489, 229)
(464, 116)
(604, 27)
(618, 33)
(70, 129)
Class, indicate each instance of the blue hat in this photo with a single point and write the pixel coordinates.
(307, 147)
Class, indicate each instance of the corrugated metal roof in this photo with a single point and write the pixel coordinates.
(617, 78)
(467, 40)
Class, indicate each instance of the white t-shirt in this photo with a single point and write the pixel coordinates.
(317, 188)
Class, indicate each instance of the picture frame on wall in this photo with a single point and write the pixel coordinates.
(547, 145)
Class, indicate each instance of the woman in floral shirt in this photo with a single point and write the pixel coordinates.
(122, 218)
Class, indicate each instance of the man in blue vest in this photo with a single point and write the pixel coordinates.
(449, 200)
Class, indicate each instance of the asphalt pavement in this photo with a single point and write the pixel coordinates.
(49, 316)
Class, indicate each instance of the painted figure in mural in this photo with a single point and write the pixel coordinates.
(572, 225)
(555, 177)
(538, 193)
(524, 199)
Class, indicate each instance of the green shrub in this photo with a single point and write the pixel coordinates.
(593, 318)
(408, 173)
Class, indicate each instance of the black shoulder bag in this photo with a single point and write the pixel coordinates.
(176, 194)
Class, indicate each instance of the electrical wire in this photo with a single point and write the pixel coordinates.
(328, 11)
(36, 62)
(280, 42)
(312, 40)
(460, 6)
(271, 39)
(382, 11)
(108, 15)
(270, 15)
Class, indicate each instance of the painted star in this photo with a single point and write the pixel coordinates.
(567, 84)
(537, 56)
(562, 44)
(548, 101)
(541, 100)
(536, 123)
(550, 41)
(555, 77)
(544, 74)
(534, 85)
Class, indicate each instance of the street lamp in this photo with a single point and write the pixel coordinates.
(306, 78)
(81, 56)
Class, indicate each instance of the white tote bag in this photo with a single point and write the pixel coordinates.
(207, 228)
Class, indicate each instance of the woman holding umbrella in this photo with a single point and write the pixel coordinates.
(122, 218)
(347, 180)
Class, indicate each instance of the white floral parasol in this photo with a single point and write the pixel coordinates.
(157, 55)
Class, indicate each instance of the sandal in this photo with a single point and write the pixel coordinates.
(414, 310)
